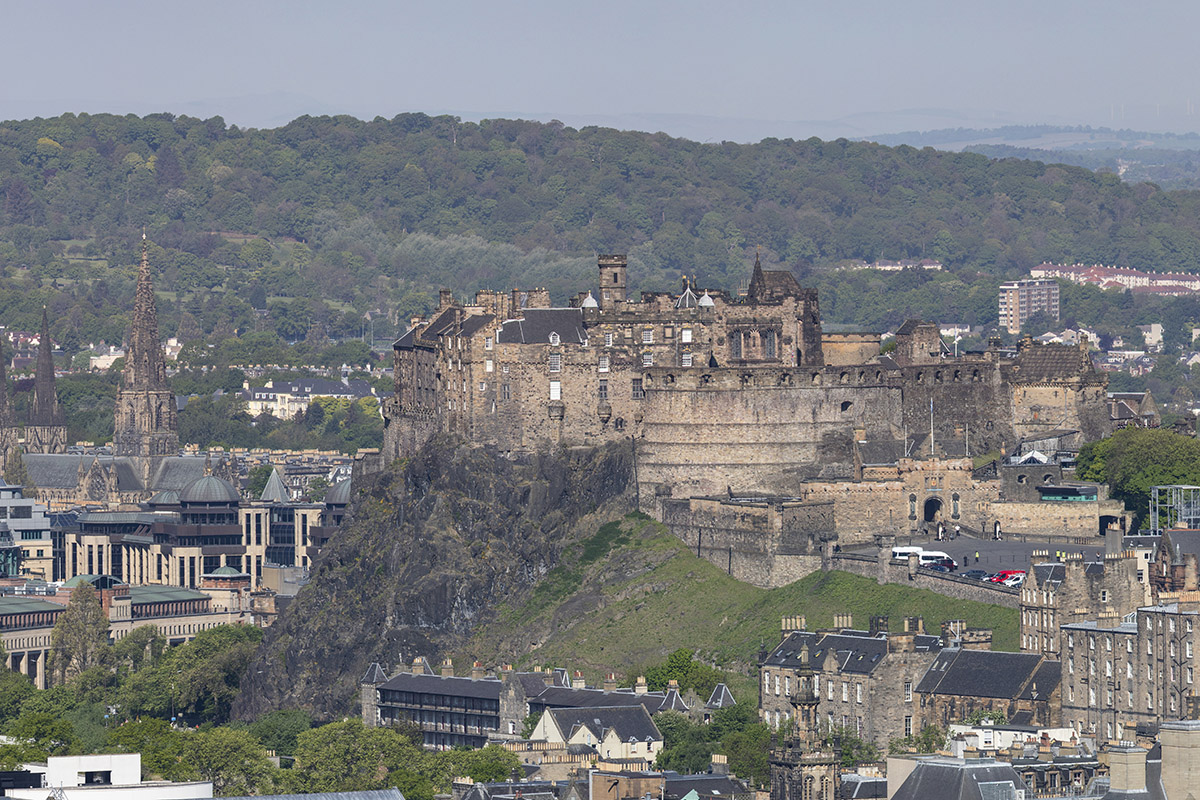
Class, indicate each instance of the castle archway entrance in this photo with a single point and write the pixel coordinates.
(933, 509)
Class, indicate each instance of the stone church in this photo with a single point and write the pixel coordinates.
(145, 457)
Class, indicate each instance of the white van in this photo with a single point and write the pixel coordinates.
(902, 553)
(933, 557)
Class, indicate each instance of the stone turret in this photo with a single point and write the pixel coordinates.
(46, 432)
(146, 426)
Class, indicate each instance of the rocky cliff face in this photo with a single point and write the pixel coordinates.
(435, 545)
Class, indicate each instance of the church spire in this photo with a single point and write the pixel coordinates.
(144, 365)
(44, 411)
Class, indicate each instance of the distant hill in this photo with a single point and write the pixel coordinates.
(307, 227)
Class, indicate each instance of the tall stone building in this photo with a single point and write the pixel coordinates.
(45, 432)
(146, 428)
(731, 394)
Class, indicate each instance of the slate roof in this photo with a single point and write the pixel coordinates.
(856, 653)
(1049, 572)
(703, 784)
(1052, 362)
(452, 686)
(174, 472)
(630, 723)
(374, 674)
(1046, 678)
(405, 342)
(721, 697)
(54, 471)
(979, 673)
(672, 702)
(958, 779)
(537, 324)
(566, 697)
(208, 490)
(274, 491)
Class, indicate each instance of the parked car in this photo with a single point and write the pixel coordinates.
(977, 574)
(1005, 574)
(936, 567)
(1015, 581)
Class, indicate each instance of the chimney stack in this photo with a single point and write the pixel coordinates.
(640, 687)
(447, 668)
(577, 681)
(477, 671)
(610, 682)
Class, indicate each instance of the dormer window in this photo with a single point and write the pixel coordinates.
(555, 339)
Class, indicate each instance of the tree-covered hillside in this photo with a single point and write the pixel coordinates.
(313, 225)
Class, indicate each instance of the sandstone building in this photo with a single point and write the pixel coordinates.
(719, 390)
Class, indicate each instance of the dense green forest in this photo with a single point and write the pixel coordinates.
(304, 230)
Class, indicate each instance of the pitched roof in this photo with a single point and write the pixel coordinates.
(980, 673)
(629, 723)
(537, 324)
(452, 686)
(721, 697)
(855, 652)
(368, 794)
(957, 779)
(672, 702)
(1052, 361)
(374, 674)
(274, 491)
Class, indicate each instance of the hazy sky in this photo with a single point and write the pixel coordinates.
(738, 69)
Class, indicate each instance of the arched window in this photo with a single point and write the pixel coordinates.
(555, 339)
(954, 508)
(912, 506)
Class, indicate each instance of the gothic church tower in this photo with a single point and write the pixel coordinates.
(146, 426)
(45, 432)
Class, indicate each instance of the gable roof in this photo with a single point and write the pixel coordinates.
(856, 652)
(536, 325)
(629, 723)
(980, 673)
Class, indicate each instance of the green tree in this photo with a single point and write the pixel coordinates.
(348, 756)
(279, 729)
(929, 740)
(258, 478)
(232, 759)
(43, 732)
(79, 640)
(854, 749)
(161, 746)
(15, 689)
(1133, 460)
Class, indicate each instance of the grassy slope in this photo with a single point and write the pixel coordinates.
(633, 593)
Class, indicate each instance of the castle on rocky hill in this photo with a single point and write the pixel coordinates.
(722, 392)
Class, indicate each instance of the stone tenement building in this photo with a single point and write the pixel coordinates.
(1058, 593)
(722, 392)
(862, 680)
(1122, 672)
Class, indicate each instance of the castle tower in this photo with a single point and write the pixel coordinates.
(45, 432)
(614, 280)
(146, 425)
